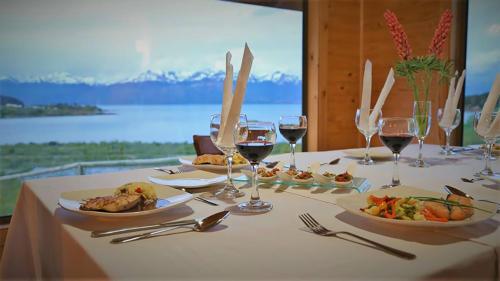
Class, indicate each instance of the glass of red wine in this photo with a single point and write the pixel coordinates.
(255, 141)
(396, 133)
(293, 128)
(226, 145)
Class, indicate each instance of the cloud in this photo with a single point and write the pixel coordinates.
(485, 61)
(143, 47)
(494, 29)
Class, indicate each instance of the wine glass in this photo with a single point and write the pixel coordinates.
(422, 116)
(485, 127)
(368, 128)
(225, 143)
(255, 141)
(448, 124)
(396, 133)
(293, 128)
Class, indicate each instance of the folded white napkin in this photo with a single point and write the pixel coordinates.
(233, 115)
(366, 96)
(389, 82)
(484, 128)
(367, 119)
(451, 104)
(227, 94)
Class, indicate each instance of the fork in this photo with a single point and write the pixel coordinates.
(168, 171)
(317, 228)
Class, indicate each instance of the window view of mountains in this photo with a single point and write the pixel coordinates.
(202, 87)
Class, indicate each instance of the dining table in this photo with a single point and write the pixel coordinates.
(45, 241)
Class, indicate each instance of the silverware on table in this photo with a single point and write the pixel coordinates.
(333, 162)
(199, 226)
(114, 231)
(271, 165)
(201, 199)
(454, 190)
(168, 171)
(471, 180)
(317, 228)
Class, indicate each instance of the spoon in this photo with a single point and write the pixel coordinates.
(470, 180)
(200, 226)
(164, 170)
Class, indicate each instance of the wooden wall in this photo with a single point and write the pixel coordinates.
(341, 35)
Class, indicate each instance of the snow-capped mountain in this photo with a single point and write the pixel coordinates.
(150, 76)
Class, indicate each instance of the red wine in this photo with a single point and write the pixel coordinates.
(292, 133)
(396, 143)
(255, 151)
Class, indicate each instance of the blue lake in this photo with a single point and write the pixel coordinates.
(144, 123)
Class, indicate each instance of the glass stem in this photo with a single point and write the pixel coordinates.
(447, 147)
(254, 198)
(367, 149)
(420, 145)
(292, 156)
(395, 172)
(229, 159)
(487, 155)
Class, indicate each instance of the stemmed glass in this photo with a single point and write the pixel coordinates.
(293, 128)
(255, 141)
(396, 133)
(226, 145)
(368, 130)
(448, 127)
(489, 135)
(422, 117)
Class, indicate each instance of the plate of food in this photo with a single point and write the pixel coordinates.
(412, 206)
(263, 174)
(193, 179)
(129, 200)
(376, 153)
(214, 163)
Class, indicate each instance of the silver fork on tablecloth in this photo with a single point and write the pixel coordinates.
(317, 228)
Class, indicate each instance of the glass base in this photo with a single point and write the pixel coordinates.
(390, 185)
(419, 164)
(229, 192)
(257, 206)
(447, 152)
(366, 162)
(485, 172)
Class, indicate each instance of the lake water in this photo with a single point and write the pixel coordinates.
(144, 123)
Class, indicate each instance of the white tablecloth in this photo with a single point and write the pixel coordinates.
(45, 241)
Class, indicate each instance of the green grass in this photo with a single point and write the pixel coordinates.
(26, 157)
(470, 137)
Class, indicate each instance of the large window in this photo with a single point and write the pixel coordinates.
(115, 81)
(483, 59)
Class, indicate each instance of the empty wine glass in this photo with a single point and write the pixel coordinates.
(422, 116)
(225, 142)
(293, 128)
(396, 133)
(255, 141)
(448, 124)
(489, 132)
(366, 122)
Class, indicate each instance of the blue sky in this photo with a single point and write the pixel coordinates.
(116, 39)
(483, 45)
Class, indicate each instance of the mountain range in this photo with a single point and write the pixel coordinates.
(202, 87)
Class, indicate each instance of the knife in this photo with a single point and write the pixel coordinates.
(96, 234)
(454, 190)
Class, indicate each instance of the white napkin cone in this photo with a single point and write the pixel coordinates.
(483, 128)
(454, 94)
(234, 111)
(227, 94)
(366, 96)
(389, 82)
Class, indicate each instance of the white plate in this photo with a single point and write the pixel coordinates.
(168, 197)
(353, 203)
(194, 179)
(209, 167)
(376, 153)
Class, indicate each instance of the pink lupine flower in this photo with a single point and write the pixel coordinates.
(398, 35)
(441, 33)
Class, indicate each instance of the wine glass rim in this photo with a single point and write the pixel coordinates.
(260, 122)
